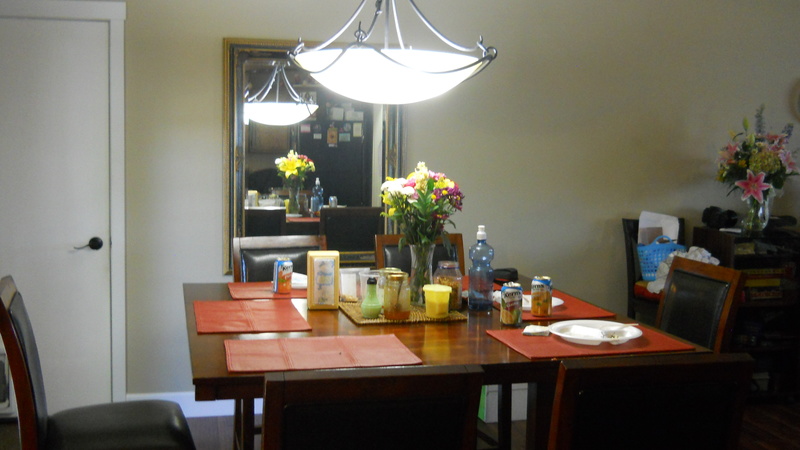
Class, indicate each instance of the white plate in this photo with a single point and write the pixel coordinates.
(294, 215)
(526, 300)
(588, 332)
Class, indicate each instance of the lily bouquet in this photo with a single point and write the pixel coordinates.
(421, 204)
(293, 168)
(757, 162)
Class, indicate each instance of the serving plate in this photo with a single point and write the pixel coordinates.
(590, 332)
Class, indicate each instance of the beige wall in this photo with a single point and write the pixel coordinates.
(593, 111)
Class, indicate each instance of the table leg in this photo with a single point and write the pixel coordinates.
(243, 424)
(504, 394)
(540, 407)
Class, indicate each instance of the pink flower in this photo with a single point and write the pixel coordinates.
(754, 186)
(788, 161)
(726, 155)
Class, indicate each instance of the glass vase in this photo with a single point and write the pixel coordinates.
(757, 215)
(421, 271)
(293, 206)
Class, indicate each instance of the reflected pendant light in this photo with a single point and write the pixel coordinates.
(390, 75)
(279, 113)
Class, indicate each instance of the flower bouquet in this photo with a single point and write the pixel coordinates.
(293, 168)
(758, 164)
(421, 205)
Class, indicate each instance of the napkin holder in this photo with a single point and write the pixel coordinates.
(323, 279)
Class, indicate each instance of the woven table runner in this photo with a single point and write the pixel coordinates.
(353, 311)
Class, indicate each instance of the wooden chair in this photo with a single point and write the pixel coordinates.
(407, 407)
(642, 304)
(265, 222)
(254, 257)
(387, 253)
(352, 231)
(700, 303)
(127, 425)
(686, 401)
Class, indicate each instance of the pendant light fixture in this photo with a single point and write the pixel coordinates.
(386, 74)
(275, 110)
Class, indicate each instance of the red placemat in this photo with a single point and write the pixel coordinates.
(225, 316)
(552, 346)
(260, 289)
(573, 308)
(328, 352)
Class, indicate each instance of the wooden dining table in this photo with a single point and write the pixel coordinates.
(435, 343)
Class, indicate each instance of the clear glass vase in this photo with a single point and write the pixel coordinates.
(757, 216)
(293, 206)
(421, 271)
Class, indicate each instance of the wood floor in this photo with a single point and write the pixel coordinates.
(765, 427)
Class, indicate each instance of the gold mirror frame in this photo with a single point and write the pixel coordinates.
(235, 52)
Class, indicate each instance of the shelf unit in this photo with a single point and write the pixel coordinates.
(768, 317)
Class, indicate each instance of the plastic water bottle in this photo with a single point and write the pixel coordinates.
(481, 274)
(316, 198)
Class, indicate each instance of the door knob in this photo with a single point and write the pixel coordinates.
(95, 243)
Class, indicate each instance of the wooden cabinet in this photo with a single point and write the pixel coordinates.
(767, 325)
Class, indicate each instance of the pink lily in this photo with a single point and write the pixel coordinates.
(788, 161)
(754, 186)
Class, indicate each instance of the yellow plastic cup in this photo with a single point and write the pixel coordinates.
(437, 300)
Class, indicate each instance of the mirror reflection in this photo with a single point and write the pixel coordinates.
(350, 160)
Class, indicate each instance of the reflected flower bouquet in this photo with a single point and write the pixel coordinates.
(756, 162)
(293, 168)
(421, 204)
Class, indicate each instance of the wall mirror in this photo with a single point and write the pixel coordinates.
(354, 146)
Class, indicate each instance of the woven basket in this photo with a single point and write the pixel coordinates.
(650, 256)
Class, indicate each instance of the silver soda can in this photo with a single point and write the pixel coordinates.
(333, 202)
(511, 304)
(541, 296)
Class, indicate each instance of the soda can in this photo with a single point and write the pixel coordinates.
(282, 275)
(541, 296)
(333, 202)
(511, 304)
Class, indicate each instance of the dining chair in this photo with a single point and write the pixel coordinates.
(406, 407)
(352, 231)
(642, 304)
(686, 401)
(265, 222)
(388, 254)
(700, 303)
(254, 257)
(148, 424)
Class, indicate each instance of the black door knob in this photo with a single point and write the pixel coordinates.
(95, 243)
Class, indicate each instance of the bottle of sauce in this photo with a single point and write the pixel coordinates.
(371, 306)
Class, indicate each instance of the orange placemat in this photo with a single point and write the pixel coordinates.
(225, 316)
(260, 289)
(328, 352)
(552, 346)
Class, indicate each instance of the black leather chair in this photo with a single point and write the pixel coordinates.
(128, 425)
(265, 222)
(254, 257)
(411, 407)
(642, 305)
(700, 303)
(388, 254)
(678, 401)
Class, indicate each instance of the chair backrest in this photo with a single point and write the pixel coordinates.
(265, 222)
(700, 303)
(23, 361)
(388, 408)
(688, 400)
(254, 257)
(351, 229)
(387, 253)
(630, 230)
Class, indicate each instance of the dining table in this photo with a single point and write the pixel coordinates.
(469, 337)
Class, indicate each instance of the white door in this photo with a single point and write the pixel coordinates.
(56, 136)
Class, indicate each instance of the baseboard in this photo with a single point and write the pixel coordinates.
(192, 407)
(519, 403)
